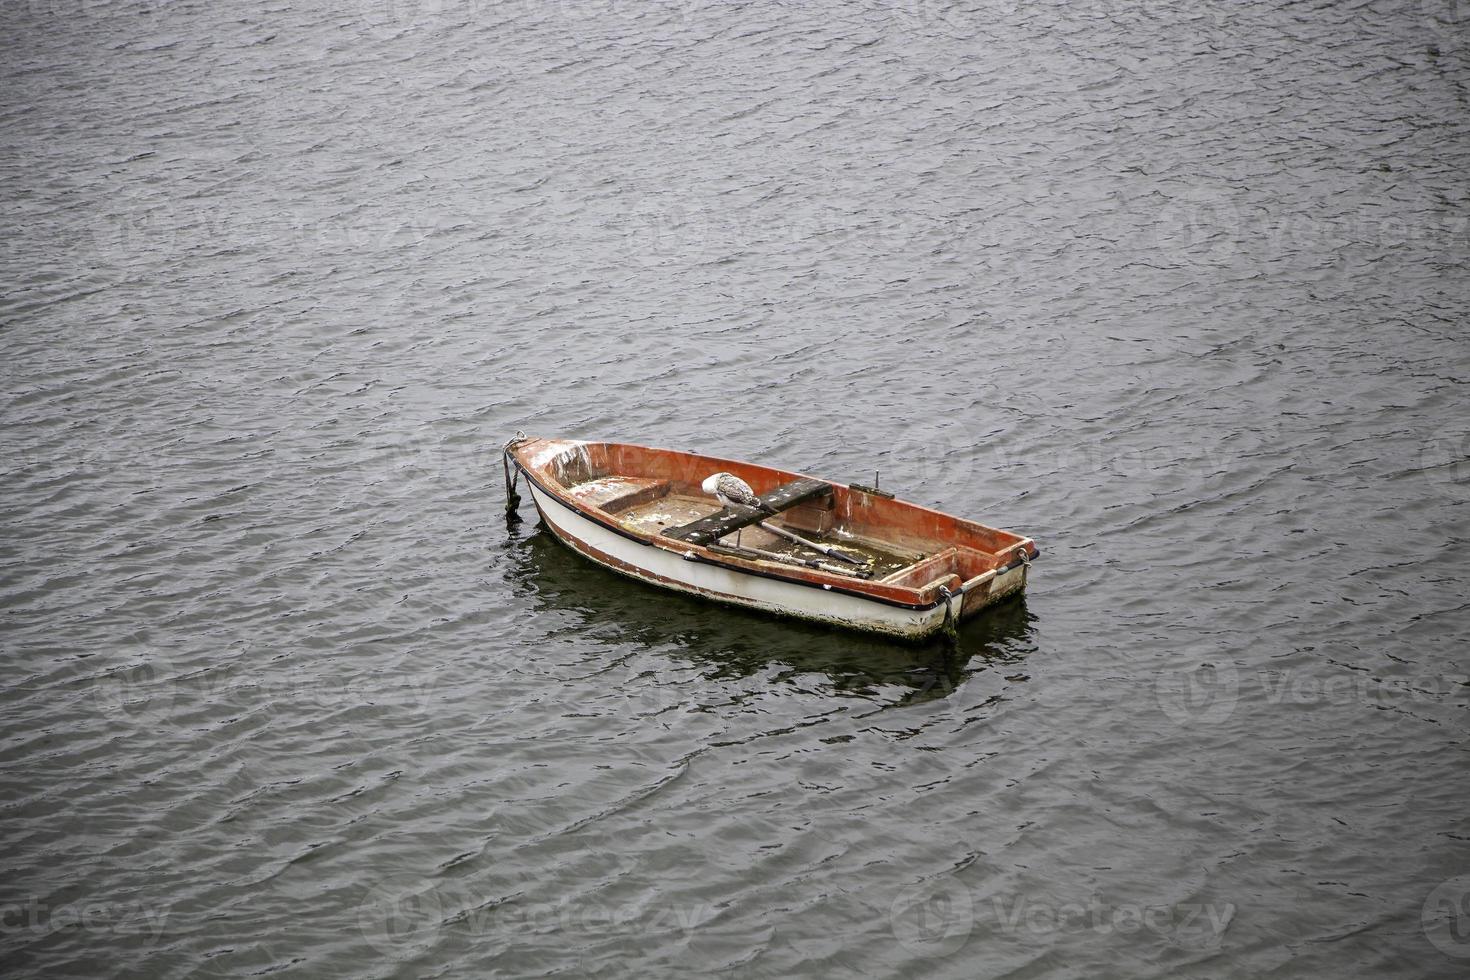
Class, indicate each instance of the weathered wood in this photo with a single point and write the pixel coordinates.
(822, 566)
(794, 538)
(866, 522)
(731, 519)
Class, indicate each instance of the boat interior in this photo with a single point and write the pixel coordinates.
(657, 492)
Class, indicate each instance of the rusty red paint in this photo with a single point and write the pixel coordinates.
(960, 549)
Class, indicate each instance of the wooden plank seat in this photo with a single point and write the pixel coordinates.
(617, 493)
(921, 574)
(732, 519)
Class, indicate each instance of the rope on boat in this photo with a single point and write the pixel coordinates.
(512, 477)
(950, 628)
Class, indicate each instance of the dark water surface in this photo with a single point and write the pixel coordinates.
(1180, 290)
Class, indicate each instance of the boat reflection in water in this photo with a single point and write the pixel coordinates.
(602, 606)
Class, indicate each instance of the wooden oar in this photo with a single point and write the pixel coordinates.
(798, 539)
(746, 551)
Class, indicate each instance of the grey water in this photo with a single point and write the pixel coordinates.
(1179, 290)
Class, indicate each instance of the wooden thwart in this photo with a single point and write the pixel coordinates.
(731, 519)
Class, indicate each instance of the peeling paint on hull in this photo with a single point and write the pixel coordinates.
(667, 569)
(604, 500)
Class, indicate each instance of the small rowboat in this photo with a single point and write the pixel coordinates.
(850, 556)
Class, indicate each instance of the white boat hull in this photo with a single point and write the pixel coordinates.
(668, 569)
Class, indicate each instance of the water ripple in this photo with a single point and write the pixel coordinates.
(1180, 291)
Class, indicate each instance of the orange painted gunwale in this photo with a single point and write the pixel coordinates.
(538, 459)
